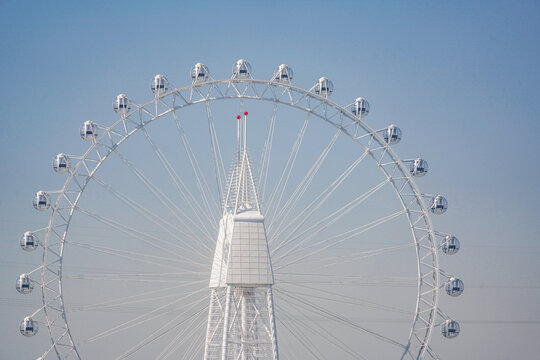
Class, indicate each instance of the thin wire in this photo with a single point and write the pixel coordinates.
(219, 169)
(337, 239)
(183, 190)
(304, 185)
(149, 215)
(275, 199)
(165, 201)
(199, 175)
(267, 152)
(328, 314)
(312, 207)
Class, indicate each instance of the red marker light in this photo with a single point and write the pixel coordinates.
(238, 117)
(245, 113)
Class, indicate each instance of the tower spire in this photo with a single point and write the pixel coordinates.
(242, 193)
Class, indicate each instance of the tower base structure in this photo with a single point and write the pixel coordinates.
(241, 324)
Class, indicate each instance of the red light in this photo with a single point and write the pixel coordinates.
(238, 117)
(245, 113)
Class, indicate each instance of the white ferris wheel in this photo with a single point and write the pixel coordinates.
(318, 239)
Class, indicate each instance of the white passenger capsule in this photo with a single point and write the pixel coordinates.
(24, 284)
(450, 246)
(41, 201)
(324, 87)
(241, 69)
(455, 287)
(439, 205)
(199, 73)
(450, 329)
(121, 104)
(159, 84)
(419, 167)
(28, 327)
(392, 135)
(283, 74)
(89, 131)
(29, 241)
(360, 107)
(61, 163)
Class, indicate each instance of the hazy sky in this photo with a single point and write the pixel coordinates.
(460, 78)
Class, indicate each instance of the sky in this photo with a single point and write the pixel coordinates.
(460, 78)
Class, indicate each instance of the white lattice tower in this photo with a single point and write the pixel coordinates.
(241, 321)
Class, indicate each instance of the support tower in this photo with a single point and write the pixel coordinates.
(241, 321)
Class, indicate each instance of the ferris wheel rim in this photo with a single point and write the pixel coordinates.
(286, 87)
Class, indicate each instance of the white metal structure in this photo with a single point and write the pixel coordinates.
(241, 322)
(336, 255)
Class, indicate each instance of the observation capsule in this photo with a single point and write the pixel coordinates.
(360, 107)
(61, 163)
(455, 287)
(419, 167)
(41, 201)
(392, 134)
(199, 73)
(284, 74)
(24, 284)
(439, 205)
(450, 329)
(121, 104)
(29, 241)
(29, 327)
(241, 69)
(159, 85)
(324, 87)
(89, 131)
(450, 246)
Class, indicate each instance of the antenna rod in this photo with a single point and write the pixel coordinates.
(245, 130)
(238, 135)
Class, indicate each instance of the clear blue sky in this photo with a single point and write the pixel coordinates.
(460, 78)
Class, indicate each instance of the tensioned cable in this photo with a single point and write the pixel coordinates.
(339, 344)
(152, 217)
(118, 273)
(299, 335)
(143, 318)
(194, 333)
(140, 235)
(160, 332)
(304, 185)
(333, 279)
(327, 221)
(368, 253)
(163, 199)
(197, 172)
(183, 190)
(141, 257)
(133, 299)
(343, 320)
(118, 278)
(337, 239)
(219, 169)
(280, 187)
(266, 155)
(311, 208)
(154, 263)
(344, 299)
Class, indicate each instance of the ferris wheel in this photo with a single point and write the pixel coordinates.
(317, 238)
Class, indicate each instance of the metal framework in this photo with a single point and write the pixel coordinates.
(241, 321)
